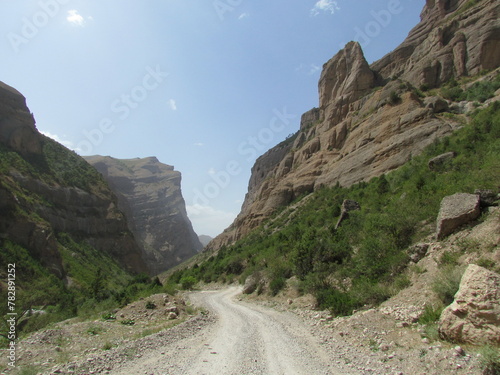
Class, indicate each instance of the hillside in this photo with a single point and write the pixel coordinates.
(149, 193)
(373, 118)
(59, 222)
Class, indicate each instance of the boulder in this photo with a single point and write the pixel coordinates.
(437, 104)
(251, 283)
(417, 251)
(455, 211)
(437, 162)
(474, 315)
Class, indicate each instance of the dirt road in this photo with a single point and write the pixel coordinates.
(246, 339)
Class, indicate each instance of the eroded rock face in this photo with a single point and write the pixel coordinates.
(451, 40)
(455, 211)
(474, 315)
(370, 120)
(149, 192)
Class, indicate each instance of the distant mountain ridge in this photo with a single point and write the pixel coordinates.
(372, 118)
(204, 239)
(149, 193)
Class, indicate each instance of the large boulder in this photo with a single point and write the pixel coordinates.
(474, 315)
(456, 210)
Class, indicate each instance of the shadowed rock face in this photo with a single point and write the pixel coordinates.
(149, 193)
(38, 203)
(369, 120)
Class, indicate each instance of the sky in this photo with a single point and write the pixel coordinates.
(204, 85)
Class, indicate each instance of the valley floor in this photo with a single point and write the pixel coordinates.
(241, 335)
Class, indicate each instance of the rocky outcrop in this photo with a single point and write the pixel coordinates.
(455, 211)
(453, 39)
(17, 125)
(149, 193)
(46, 190)
(474, 315)
(344, 79)
(370, 118)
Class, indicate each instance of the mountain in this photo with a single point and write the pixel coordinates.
(372, 118)
(59, 220)
(204, 239)
(149, 193)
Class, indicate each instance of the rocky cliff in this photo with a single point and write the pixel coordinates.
(371, 119)
(47, 191)
(149, 193)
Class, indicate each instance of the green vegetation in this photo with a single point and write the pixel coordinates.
(479, 91)
(364, 261)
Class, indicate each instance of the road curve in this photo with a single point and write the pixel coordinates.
(246, 339)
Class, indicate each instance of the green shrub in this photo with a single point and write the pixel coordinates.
(449, 258)
(431, 314)
(276, 285)
(446, 285)
(394, 98)
(150, 305)
(338, 302)
(187, 282)
(109, 316)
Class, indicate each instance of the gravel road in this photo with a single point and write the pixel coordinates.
(245, 339)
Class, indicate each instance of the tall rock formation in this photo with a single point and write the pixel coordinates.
(149, 193)
(47, 191)
(371, 119)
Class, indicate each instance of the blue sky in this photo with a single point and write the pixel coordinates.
(204, 85)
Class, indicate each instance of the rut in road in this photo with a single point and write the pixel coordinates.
(246, 339)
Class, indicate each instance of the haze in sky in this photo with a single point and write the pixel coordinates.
(204, 85)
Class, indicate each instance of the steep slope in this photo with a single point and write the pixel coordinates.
(149, 193)
(373, 118)
(59, 220)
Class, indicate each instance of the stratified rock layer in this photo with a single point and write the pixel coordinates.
(149, 193)
(370, 119)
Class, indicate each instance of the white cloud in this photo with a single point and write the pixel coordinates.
(75, 18)
(207, 220)
(60, 140)
(313, 69)
(243, 15)
(308, 69)
(331, 6)
(212, 171)
(199, 144)
(172, 104)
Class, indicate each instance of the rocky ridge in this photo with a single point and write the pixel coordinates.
(149, 193)
(371, 118)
